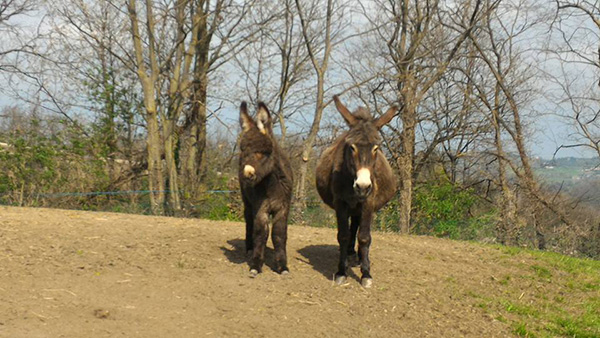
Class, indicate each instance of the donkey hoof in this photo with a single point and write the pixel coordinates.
(366, 282)
(340, 279)
(253, 273)
(284, 272)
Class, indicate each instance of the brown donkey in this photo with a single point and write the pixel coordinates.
(355, 179)
(266, 182)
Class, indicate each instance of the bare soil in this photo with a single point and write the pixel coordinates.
(70, 273)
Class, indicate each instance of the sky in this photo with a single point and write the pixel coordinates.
(548, 130)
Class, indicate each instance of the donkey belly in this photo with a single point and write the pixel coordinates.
(323, 178)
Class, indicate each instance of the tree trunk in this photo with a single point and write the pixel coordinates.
(406, 165)
(187, 160)
(171, 167)
(193, 143)
(320, 70)
(155, 171)
(308, 145)
(508, 225)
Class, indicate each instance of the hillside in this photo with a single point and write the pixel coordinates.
(85, 274)
(570, 170)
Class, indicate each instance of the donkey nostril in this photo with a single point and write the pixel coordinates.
(363, 188)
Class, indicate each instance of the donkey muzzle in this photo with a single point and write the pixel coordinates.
(363, 185)
(249, 172)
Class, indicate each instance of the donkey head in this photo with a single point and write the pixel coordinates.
(257, 144)
(362, 145)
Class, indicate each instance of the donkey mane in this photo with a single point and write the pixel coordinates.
(362, 113)
(363, 132)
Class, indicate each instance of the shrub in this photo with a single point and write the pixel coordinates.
(444, 209)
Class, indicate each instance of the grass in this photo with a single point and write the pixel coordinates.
(541, 272)
(520, 329)
(586, 324)
(549, 294)
(505, 280)
(520, 309)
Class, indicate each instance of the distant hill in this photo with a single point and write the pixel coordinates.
(567, 169)
(578, 177)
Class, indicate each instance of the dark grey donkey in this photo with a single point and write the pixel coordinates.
(266, 182)
(355, 179)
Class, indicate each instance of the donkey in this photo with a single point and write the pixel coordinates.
(266, 182)
(355, 179)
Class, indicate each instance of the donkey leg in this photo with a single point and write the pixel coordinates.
(279, 238)
(249, 218)
(259, 236)
(364, 243)
(354, 222)
(343, 238)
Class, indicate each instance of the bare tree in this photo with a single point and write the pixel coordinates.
(149, 77)
(421, 39)
(220, 32)
(276, 65)
(577, 24)
(174, 71)
(14, 41)
(320, 66)
(498, 47)
(323, 29)
(87, 52)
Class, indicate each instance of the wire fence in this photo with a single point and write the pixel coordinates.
(117, 193)
(309, 202)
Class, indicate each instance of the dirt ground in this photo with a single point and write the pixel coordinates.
(86, 274)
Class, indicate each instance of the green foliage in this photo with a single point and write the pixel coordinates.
(388, 218)
(34, 165)
(444, 209)
(441, 209)
(442, 202)
(315, 214)
(219, 199)
(219, 206)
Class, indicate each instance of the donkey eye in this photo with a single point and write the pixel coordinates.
(259, 155)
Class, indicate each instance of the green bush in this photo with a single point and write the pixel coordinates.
(34, 166)
(444, 209)
(218, 207)
(388, 218)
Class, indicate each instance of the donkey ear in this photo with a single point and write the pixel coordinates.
(385, 118)
(346, 114)
(263, 117)
(245, 120)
